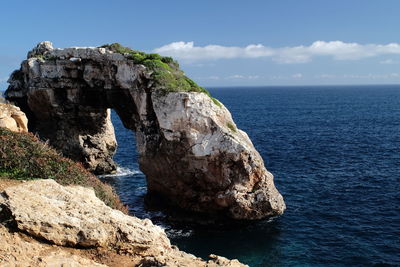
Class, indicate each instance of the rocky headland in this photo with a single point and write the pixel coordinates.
(45, 224)
(79, 223)
(191, 151)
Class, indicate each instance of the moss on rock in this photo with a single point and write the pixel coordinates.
(231, 127)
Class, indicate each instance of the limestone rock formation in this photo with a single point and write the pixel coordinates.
(73, 216)
(12, 118)
(190, 149)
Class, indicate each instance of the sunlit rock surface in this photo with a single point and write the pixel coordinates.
(72, 216)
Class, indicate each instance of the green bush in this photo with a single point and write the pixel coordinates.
(116, 47)
(166, 74)
(168, 60)
(137, 58)
(24, 157)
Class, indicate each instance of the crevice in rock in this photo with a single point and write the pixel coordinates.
(7, 219)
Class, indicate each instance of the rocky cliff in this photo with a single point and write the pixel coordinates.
(190, 149)
(45, 224)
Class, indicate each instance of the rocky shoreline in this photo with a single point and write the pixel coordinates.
(45, 224)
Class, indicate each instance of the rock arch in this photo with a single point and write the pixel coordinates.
(189, 147)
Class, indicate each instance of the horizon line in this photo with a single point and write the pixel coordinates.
(304, 85)
(290, 85)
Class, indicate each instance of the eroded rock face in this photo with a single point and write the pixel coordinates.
(190, 149)
(12, 118)
(218, 166)
(73, 216)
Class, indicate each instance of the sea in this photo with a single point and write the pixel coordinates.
(335, 155)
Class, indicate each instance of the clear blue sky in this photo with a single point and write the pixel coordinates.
(254, 42)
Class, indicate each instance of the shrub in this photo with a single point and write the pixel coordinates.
(166, 74)
(168, 60)
(24, 157)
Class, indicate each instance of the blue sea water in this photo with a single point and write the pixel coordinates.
(335, 155)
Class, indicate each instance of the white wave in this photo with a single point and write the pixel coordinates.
(176, 233)
(121, 172)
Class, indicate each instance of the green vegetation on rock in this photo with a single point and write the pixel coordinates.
(231, 127)
(40, 57)
(166, 74)
(24, 157)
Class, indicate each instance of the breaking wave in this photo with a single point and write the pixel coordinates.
(121, 172)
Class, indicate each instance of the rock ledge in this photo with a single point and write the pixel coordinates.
(72, 216)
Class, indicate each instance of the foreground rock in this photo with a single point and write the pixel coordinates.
(72, 216)
(12, 118)
(190, 149)
(18, 250)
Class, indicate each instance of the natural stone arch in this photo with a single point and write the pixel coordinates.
(189, 147)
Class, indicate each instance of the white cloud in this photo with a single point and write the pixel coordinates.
(236, 76)
(202, 65)
(188, 51)
(338, 50)
(370, 76)
(388, 77)
(243, 77)
(231, 77)
(326, 76)
(278, 77)
(389, 62)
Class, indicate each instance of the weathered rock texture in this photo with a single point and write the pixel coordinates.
(190, 149)
(12, 118)
(18, 250)
(72, 216)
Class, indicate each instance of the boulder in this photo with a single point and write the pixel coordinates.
(12, 118)
(74, 216)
